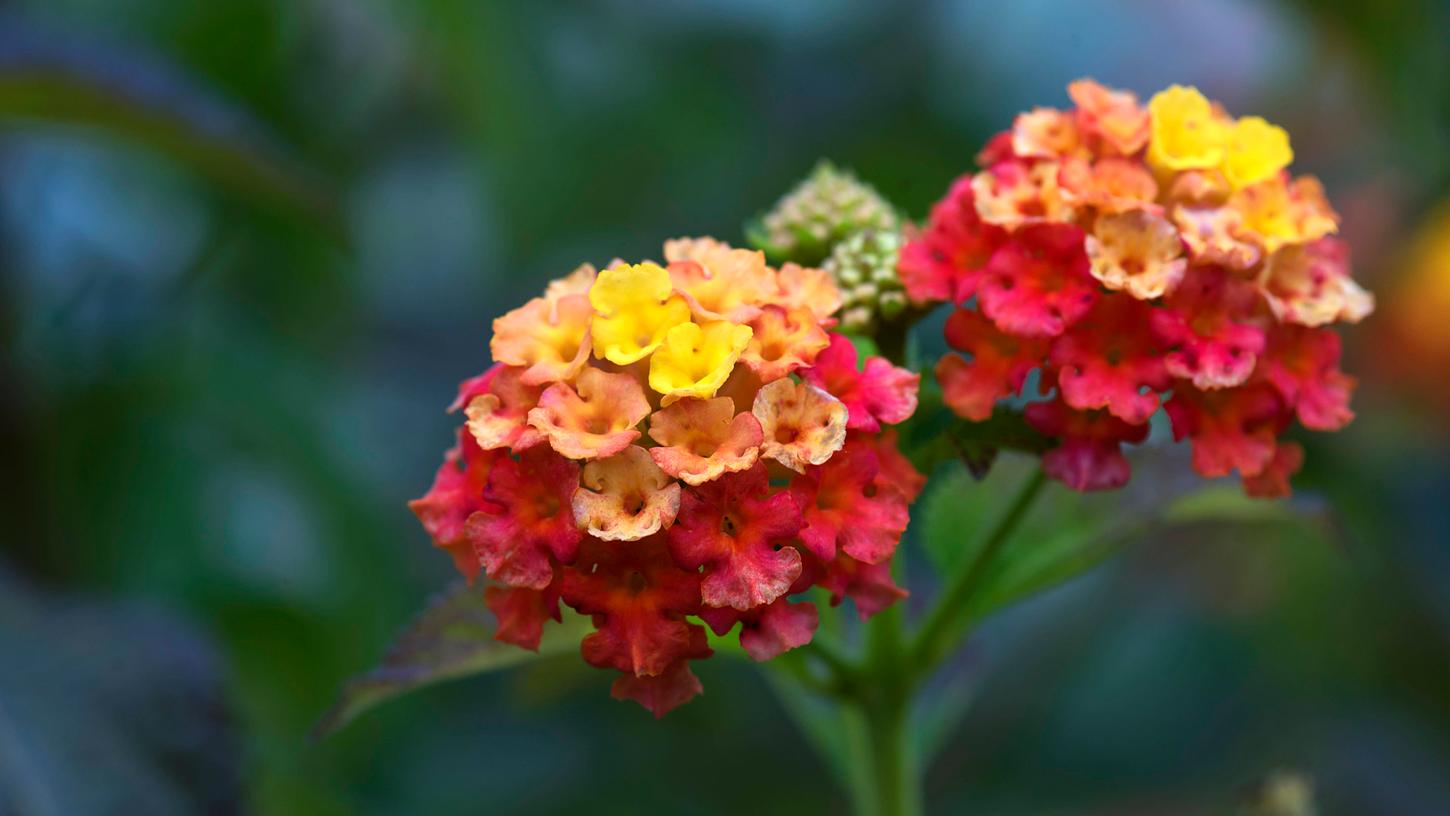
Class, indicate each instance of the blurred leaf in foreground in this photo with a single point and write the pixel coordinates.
(46, 78)
(109, 708)
(451, 638)
(1068, 533)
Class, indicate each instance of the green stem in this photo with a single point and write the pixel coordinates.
(895, 783)
(938, 633)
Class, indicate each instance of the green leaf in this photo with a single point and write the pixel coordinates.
(1067, 533)
(451, 638)
(128, 93)
(935, 435)
(110, 707)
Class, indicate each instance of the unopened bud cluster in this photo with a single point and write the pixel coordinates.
(864, 267)
(828, 206)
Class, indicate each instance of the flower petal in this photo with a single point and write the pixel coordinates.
(527, 526)
(593, 418)
(800, 424)
(734, 529)
(625, 497)
(700, 440)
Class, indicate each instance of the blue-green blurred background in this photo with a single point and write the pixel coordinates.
(247, 248)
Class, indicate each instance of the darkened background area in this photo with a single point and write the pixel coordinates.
(248, 248)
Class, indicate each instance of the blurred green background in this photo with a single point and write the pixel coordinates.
(247, 249)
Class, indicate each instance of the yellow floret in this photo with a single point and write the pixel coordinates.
(1185, 133)
(1256, 150)
(695, 360)
(635, 306)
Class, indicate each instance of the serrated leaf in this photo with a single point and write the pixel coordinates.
(451, 638)
(1067, 533)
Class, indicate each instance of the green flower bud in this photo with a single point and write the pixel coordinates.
(825, 208)
(864, 267)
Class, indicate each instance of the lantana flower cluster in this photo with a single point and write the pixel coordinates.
(1135, 257)
(665, 447)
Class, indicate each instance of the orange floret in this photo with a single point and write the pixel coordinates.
(1309, 284)
(805, 287)
(1044, 133)
(593, 418)
(699, 440)
(719, 281)
(499, 417)
(625, 497)
(549, 338)
(1278, 212)
(1013, 194)
(1114, 117)
(783, 341)
(1137, 253)
(801, 425)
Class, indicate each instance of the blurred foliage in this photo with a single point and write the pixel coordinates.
(249, 247)
(452, 637)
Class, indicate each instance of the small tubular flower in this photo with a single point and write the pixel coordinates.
(595, 417)
(1172, 260)
(782, 341)
(1303, 365)
(869, 586)
(1090, 456)
(1137, 253)
(1045, 133)
(634, 306)
(548, 339)
(625, 497)
(1273, 481)
(1184, 131)
(769, 631)
(701, 440)
(1208, 328)
(847, 502)
(456, 494)
(632, 373)
(805, 287)
(1014, 194)
(1039, 284)
(881, 393)
(945, 260)
(1000, 364)
(1212, 235)
(498, 417)
(522, 613)
(719, 281)
(638, 599)
(1230, 429)
(695, 360)
(1114, 118)
(1254, 151)
(733, 529)
(1110, 185)
(800, 424)
(527, 525)
(1278, 212)
(1309, 284)
(659, 693)
(1111, 360)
